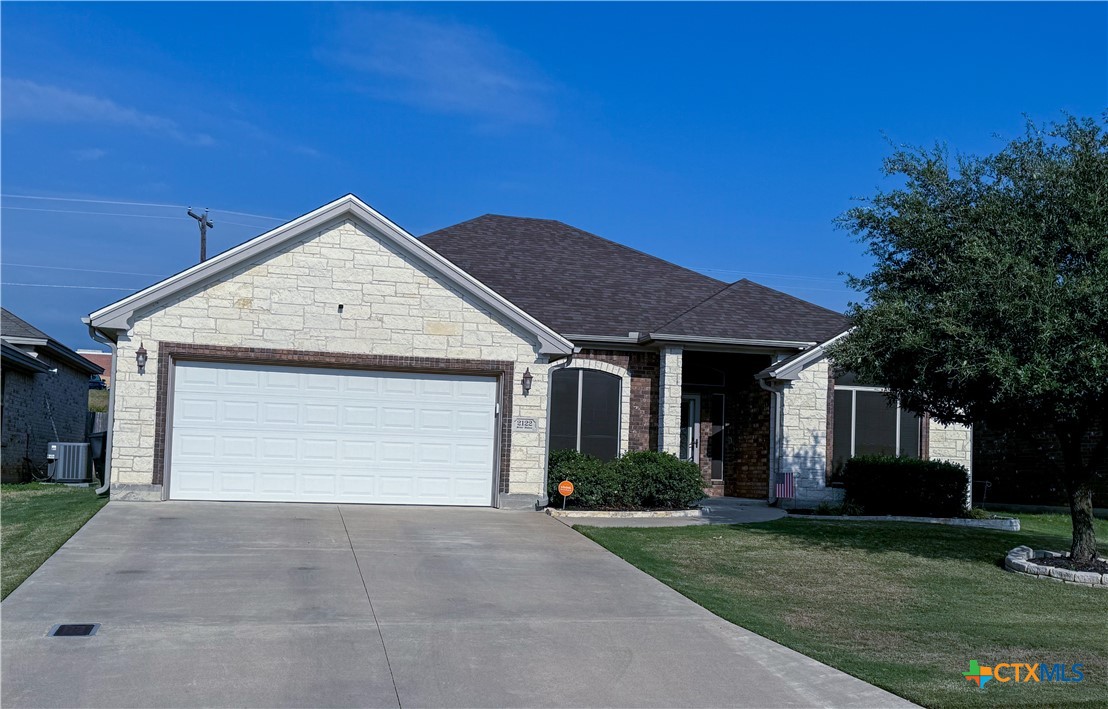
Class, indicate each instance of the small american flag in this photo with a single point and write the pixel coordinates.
(785, 488)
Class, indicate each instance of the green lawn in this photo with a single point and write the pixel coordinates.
(904, 606)
(35, 520)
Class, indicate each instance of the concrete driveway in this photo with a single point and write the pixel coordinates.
(260, 605)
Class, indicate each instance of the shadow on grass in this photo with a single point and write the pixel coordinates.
(930, 541)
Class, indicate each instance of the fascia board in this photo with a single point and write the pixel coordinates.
(786, 344)
(790, 369)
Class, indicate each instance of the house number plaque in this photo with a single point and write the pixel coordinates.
(524, 424)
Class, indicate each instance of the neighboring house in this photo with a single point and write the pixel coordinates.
(100, 359)
(338, 358)
(45, 395)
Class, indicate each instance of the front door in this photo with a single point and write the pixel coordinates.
(690, 427)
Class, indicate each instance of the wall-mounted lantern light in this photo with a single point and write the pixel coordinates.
(140, 357)
(527, 379)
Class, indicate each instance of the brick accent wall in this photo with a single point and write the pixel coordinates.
(642, 368)
(1025, 467)
(393, 306)
(30, 401)
(746, 443)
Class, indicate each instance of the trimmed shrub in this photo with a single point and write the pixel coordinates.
(638, 480)
(887, 485)
(660, 480)
(594, 482)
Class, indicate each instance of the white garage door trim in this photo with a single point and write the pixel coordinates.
(249, 431)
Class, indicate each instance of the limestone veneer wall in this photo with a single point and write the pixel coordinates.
(392, 305)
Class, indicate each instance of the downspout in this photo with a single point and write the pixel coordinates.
(777, 397)
(99, 337)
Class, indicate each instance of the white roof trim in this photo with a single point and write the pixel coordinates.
(788, 344)
(789, 368)
(119, 315)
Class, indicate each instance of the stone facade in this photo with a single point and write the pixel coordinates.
(669, 400)
(38, 409)
(803, 448)
(953, 443)
(391, 305)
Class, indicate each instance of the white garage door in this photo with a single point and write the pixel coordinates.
(265, 433)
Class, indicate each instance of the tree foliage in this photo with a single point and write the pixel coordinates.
(988, 301)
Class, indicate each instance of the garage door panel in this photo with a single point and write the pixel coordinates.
(281, 433)
(359, 416)
(240, 412)
(326, 415)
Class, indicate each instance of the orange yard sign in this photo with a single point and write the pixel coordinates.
(565, 488)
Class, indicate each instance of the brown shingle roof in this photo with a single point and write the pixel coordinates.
(581, 284)
(573, 281)
(746, 310)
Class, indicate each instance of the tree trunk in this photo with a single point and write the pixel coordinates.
(1078, 479)
(1081, 512)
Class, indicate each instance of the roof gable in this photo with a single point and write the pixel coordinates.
(17, 330)
(119, 315)
(11, 325)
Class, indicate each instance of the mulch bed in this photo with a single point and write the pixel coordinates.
(1062, 562)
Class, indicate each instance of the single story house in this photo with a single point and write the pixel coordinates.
(337, 358)
(44, 393)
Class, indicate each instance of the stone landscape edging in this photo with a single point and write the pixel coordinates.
(1021, 560)
(1009, 525)
(622, 514)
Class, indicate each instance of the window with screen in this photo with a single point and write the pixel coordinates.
(867, 423)
(584, 412)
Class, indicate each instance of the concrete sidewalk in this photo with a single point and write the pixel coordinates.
(268, 605)
(717, 510)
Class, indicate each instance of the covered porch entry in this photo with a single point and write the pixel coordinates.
(724, 421)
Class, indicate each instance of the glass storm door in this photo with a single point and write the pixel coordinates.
(690, 427)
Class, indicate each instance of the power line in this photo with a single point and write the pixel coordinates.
(136, 204)
(93, 201)
(83, 270)
(120, 214)
(767, 275)
(54, 285)
(99, 214)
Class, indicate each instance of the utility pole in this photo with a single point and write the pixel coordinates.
(205, 224)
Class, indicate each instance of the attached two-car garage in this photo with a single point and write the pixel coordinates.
(258, 432)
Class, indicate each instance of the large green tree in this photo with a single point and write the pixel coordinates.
(988, 301)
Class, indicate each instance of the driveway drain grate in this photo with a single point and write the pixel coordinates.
(71, 630)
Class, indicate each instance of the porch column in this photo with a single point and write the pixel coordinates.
(669, 401)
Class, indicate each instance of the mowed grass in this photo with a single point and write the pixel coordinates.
(35, 520)
(904, 606)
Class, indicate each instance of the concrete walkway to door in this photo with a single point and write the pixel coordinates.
(271, 605)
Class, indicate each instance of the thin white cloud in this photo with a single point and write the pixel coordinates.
(441, 66)
(89, 154)
(31, 101)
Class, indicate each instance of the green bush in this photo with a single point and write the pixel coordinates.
(638, 480)
(887, 485)
(659, 480)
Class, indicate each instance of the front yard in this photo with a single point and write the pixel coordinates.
(35, 520)
(904, 606)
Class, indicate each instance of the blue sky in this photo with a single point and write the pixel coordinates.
(723, 137)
